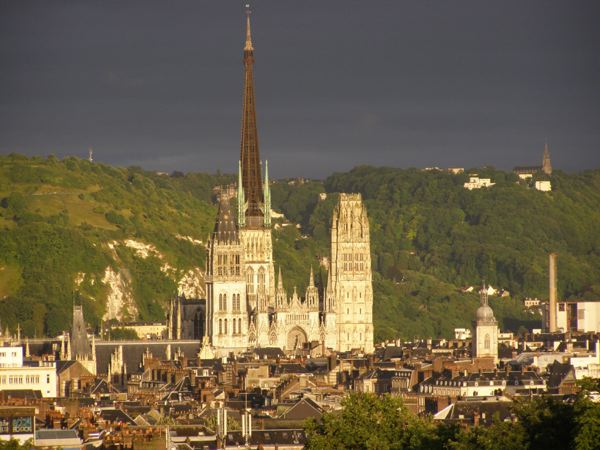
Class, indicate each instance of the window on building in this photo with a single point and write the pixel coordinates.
(486, 342)
(250, 280)
(220, 326)
(225, 327)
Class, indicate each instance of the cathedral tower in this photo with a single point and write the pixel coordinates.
(254, 212)
(485, 338)
(351, 276)
(227, 316)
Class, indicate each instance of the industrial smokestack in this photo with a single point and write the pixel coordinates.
(552, 293)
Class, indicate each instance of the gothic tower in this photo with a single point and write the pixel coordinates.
(546, 164)
(227, 316)
(351, 278)
(254, 212)
(485, 338)
(82, 349)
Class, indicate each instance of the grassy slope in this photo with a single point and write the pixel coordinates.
(57, 218)
(429, 237)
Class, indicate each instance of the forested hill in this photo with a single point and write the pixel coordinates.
(124, 239)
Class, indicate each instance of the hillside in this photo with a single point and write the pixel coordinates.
(123, 240)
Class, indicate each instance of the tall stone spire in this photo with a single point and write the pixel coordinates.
(546, 164)
(249, 155)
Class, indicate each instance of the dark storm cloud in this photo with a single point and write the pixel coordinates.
(158, 84)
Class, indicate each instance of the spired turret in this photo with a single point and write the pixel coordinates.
(281, 301)
(312, 293)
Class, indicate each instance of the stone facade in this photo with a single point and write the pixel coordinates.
(247, 306)
(351, 276)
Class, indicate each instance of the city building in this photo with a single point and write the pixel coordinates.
(582, 316)
(543, 185)
(19, 375)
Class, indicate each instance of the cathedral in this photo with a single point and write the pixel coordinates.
(247, 304)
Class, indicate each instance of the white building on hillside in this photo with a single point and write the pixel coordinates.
(544, 186)
(477, 183)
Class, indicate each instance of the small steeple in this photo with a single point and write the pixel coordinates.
(248, 45)
(483, 295)
(280, 280)
(311, 280)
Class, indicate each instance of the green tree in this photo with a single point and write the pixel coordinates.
(370, 422)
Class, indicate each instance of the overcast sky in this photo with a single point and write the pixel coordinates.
(339, 83)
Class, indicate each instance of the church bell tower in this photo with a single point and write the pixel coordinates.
(254, 211)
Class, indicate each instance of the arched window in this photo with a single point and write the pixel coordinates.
(240, 326)
(220, 326)
(224, 302)
(225, 328)
(486, 342)
(220, 302)
(250, 279)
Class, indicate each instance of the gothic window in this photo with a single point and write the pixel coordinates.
(250, 280)
(261, 278)
(486, 342)
(225, 327)
(240, 326)
(237, 264)
(221, 302)
(225, 303)
(220, 326)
